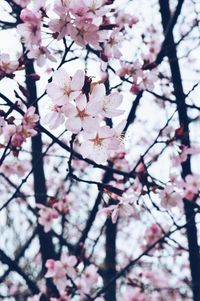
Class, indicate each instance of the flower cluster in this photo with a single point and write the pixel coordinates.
(84, 113)
(66, 273)
(142, 79)
(86, 22)
(48, 214)
(7, 66)
(17, 134)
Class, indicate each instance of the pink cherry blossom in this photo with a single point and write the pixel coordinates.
(69, 263)
(85, 33)
(61, 269)
(83, 115)
(14, 166)
(64, 88)
(7, 66)
(152, 234)
(28, 16)
(191, 186)
(185, 152)
(148, 80)
(46, 216)
(30, 30)
(124, 18)
(123, 209)
(61, 27)
(56, 271)
(40, 54)
(112, 45)
(30, 118)
(169, 197)
(109, 103)
(54, 118)
(97, 145)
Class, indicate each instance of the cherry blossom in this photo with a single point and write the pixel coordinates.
(103, 169)
(152, 234)
(61, 269)
(97, 144)
(54, 118)
(7, 66)
(169, 197)
(30, 30)
(109, 103)
(40, 54)
(124, 208)
(191, 186)
(83, 115)
(64, 88)
(46, 216)
(112, 45)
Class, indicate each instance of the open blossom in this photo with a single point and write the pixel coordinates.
(7, 66)
(40, 54)
(109, 103)
(148, 80)
(88, 280)
(56, 271)
(123, 208)
(55, 117)
(134, 70)
(124, 18)
(80, 20)
(83, 115)
(64, 88)
(61, 27)
(169, 197)
(112, 45)
(96, 10)
(30, 118)
(15, 167)
(59, 270)
(30, 30)
(85, 33)
(185, 152)
(97, 144)
(62, 205)
(191, 186)
(18, 134)
(46, 216)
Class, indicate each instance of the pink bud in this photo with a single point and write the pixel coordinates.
(28, 16)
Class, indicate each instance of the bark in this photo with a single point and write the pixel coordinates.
(191, 229)
(110, 260)
(45, 239)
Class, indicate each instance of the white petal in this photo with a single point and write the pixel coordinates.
(74, 124)
(61, 78)
(98, 92)
(81, 102)
(78, 80)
